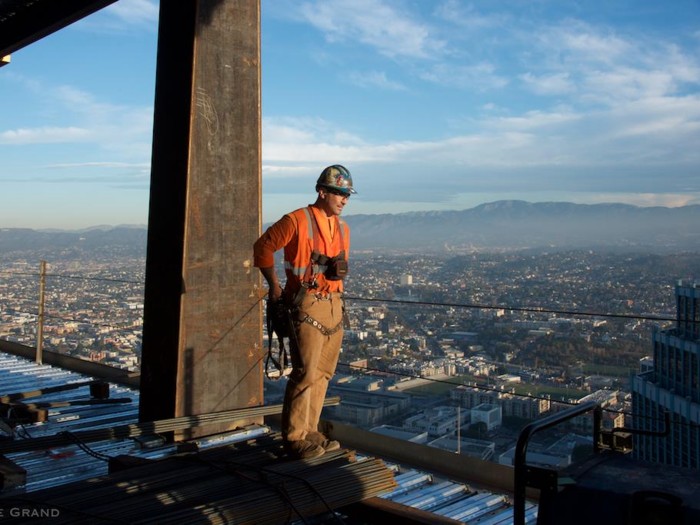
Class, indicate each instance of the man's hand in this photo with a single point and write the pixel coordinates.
(275, 291)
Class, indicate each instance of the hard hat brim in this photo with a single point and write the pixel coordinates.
(346, 191)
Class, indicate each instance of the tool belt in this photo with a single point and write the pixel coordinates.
(281, 321)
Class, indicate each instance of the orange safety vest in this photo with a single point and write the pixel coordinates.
(297, 255)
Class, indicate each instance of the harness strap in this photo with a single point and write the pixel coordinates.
(325, 331)
(309, 278)
(340, 223)
(315, 235)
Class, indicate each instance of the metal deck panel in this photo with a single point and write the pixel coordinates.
(50, 468)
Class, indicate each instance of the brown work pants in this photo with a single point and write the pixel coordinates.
(314, 358)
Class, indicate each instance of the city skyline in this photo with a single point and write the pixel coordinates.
(432, 106)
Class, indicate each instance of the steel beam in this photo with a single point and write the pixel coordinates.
(23, 23)
(477, 473)
(378, 510)
(74, 364)
(203, 319)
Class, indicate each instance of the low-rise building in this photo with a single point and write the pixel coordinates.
(511, 404)
(367, 408)
(489, 414)
(437, 422)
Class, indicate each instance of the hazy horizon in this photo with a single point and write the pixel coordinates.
(347, 213)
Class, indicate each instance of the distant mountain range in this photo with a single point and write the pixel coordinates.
(132, 239)
(520, 224)
(502, 224)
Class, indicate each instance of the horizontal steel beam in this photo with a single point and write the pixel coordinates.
(149, 427)
(9, 398)
(81, 366)
(376, 510)
(26, 22)
(475, 472)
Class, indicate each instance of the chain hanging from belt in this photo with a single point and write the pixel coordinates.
(325, 331)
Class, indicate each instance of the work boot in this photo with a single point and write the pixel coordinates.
(329, 445)
(303, 449)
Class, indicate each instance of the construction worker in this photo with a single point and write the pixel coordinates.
(316, 243)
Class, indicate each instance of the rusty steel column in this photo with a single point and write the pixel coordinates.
(203, 317)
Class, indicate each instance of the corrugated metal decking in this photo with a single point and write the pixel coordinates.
(454, 500)
(49, 471)
(60, 465)
(240, 483)
(235, 476)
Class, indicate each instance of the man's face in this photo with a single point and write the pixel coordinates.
(332, 201)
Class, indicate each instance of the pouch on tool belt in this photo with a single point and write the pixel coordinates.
(278, 322)
(336, 268)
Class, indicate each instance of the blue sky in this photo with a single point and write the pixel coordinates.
(432, 105)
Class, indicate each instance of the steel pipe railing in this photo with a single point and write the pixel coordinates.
(519, 463)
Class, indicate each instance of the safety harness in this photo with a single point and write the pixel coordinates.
(280, 318)
(319, 261)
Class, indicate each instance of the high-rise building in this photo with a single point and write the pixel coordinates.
(672, 384)
(406, 280)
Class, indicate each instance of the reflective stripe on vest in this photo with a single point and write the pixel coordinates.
(299, 272)
(302, 269)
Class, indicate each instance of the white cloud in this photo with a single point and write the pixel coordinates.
(476, 77)
(532, 120)
(281, 172)
(577, 42)
(548, 84)
(506, 148)
(377, 79)
(118, 165)
(597, 65)
(611, 147)
(122, 130)
(375, 23)
(468, 17)
(134, 12)
(683, 68)
(303, 130)
(663, 127)
(122, 17)
(627, 84)
(84, 104)
(45, 135)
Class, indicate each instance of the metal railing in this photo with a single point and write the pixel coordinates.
(531, 476)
